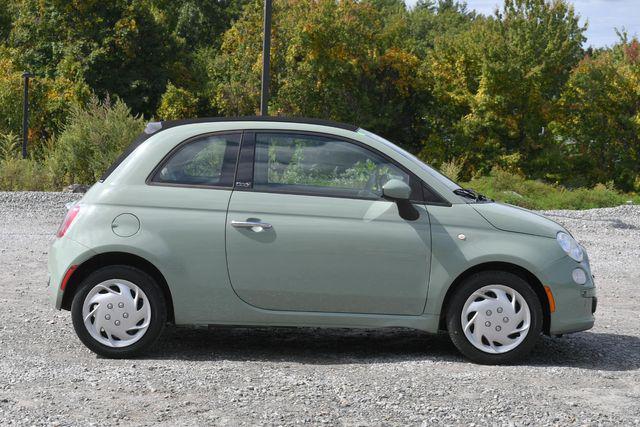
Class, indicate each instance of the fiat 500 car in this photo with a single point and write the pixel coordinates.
(307, 223)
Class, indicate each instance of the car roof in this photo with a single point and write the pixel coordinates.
(155, 127)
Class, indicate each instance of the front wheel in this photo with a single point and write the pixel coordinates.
(118, 311)
(494, 317)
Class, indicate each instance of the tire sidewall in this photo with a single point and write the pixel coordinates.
(155, 299)
(472, 284)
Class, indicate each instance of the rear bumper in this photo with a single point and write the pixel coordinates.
(575, 304)
(64, 253)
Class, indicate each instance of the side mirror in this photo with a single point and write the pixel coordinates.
(399, 192)
(396, 190)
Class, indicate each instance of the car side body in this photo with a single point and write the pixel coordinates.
(327, 262)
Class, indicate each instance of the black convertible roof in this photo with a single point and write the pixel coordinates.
(157, 126)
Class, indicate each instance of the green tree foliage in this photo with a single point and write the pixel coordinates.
(195, 29)
(199, 23)
(331, 59)
(6, 18)
(177, 103)
(429, 21)
(515, 90)
(50, 101)
(128, 49)
(502, 78)
(10, 96)
(599, 124)
(116, 47)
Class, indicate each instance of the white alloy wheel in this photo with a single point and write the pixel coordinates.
(495, 319)
(116, 313)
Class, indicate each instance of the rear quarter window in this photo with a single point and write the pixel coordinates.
(208, 160)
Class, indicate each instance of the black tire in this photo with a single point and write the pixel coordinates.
(464, 291)
(155, 298)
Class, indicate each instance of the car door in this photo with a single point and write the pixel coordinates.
(308, 230)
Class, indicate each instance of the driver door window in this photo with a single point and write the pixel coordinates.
(313, 165)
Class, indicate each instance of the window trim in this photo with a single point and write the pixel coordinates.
(248, 146)
(149, 180)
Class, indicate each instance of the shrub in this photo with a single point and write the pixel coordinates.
(515, 189)
(91, 140)
(177, 103)
(9, 146)
(23, 174)
(17, 173)
(452, 169)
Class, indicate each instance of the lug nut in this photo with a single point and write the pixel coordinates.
(498, 328)
(487, 324)
(117, 323)
(489, 313)
(125, 315)
(499, 310)
(107, 317)
(505, 320)
(109, 306)
(120, 304)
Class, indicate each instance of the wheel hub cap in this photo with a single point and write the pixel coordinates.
(116, 313)
(495, 319)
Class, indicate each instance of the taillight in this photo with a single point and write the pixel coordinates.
(68, 219)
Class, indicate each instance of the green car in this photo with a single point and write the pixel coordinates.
(310, 223)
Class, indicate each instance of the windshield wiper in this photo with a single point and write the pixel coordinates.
(471, 194)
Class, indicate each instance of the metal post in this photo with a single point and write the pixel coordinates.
(266, 59)
(25, 113)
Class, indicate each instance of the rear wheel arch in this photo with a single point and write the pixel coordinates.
(522, 272)
(116, 258)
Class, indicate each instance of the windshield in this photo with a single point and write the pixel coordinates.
(431, 171)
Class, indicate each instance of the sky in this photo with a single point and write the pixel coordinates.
(603, 17)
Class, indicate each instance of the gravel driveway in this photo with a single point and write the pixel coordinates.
(292, 376)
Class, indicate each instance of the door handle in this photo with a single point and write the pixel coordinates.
(255, 226)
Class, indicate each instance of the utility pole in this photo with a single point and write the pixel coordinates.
(25, 113)
(266, 59)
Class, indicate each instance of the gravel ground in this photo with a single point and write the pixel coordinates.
(290, 376)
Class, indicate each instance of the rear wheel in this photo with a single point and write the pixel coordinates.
(118, 311)
(494, 317)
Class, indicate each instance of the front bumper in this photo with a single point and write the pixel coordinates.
(575, 304)
(63, 254)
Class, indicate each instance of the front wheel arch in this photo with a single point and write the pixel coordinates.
(522, 272)
(116, 258)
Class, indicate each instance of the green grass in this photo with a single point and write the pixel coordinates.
(514, 189)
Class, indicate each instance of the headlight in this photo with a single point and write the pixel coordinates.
(570, 246)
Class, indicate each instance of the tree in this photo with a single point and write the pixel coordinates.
(599, 122)
(116, 47)
(453, 69)
(429, 21)
(504, 76)
(50, 101)
(330, 59)
(177, 103)
(197, 23)
(6, 18)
